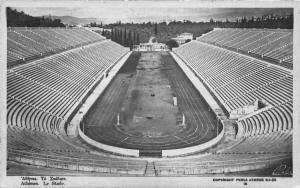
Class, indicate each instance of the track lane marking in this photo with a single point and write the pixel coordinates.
(195, 109)
(180, 139)
(123, 140)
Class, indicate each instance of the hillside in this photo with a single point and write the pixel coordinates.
(70, 20)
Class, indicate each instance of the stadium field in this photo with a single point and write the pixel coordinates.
(138, 111)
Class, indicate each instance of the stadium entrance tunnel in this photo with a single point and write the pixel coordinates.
(150, 153)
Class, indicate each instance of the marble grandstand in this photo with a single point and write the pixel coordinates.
(25, 44)
(274, 45)
(52, 71)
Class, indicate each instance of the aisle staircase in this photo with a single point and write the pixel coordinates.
(150, 169)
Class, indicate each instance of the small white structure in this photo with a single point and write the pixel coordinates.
(248, 109)
(183, 120)
(152, 45)
(98, 29)
(118, 119)
(180, 39)
(175, 101)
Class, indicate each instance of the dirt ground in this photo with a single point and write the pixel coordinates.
(148, 108)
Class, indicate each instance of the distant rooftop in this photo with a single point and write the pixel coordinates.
(186, 34)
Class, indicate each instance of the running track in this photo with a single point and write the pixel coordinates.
(201, 123)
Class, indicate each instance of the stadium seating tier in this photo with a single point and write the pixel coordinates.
(25, 44)
(273, 44)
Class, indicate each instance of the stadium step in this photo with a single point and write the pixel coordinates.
(151, 153)
(230, 129)
(150, 169)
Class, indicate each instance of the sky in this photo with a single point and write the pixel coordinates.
(155, 12)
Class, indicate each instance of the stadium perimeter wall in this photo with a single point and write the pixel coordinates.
(193, 149)
(113, 149)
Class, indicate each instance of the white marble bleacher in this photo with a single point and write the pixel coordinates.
(258, 151)
(238, 85)
(44, 149)
(20, 50)
(40, 95)
(239, 80)
(275, 119)
(36, 42)
(55, 84)
(28, 42)
(259, 42)
(54, 46)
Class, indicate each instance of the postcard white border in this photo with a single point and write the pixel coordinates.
(14, 181)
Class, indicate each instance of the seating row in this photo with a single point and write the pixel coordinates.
(236, 79)
(43, 149)
(278, 118)
(254, 152)
(276, 44)
(51, 87)
(20, 114)
(27, 43)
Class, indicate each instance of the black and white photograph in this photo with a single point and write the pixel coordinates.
(149, 94)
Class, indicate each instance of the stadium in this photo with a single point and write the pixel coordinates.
(81, 104)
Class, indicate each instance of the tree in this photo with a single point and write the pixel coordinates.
(20, 19)
(112, 34)
(172, 44)
(141, 32)
(187, 40)
(124, 38)
(93, 24)
(138, 38)
(155, 29)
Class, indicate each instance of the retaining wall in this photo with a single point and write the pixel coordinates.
(193, 149)
(113, 149)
